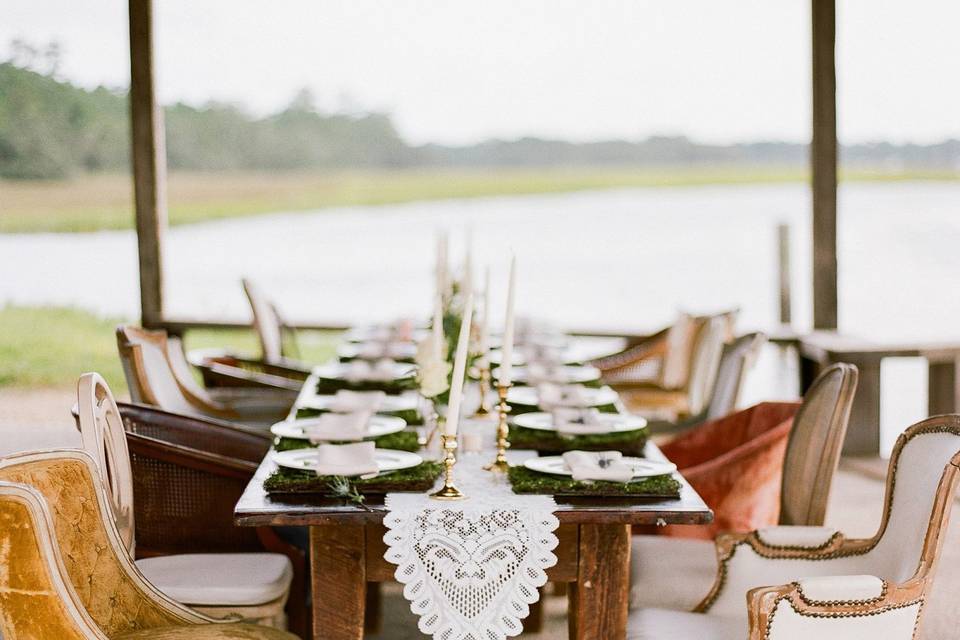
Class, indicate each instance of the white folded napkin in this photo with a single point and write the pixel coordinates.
(568, 395)
(372, 350)
(357, 370)
(346, 401)
(338, 426)
(547, 355)
(578, 421)
(355, 459)
(538, 372)
(598, 465)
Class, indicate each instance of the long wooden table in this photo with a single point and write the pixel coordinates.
(346, 552)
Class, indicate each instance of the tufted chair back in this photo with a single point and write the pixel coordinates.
(920, 486)
(813, 450)
(737, 358)
(80, 529)
(101, 428)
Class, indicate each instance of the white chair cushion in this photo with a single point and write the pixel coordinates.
(841, 588)
(211, 579)
(671, 573)
(664, 624)
(807, 537)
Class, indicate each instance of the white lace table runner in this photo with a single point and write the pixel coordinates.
(471, 568)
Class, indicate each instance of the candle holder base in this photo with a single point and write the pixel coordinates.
(448, 493)
(500, 464)
(483, 411)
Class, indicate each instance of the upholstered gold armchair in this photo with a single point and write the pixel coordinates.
(64, 571)
(823, 584)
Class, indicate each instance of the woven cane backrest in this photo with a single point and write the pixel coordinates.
(813, 449)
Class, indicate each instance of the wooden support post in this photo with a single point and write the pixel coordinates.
(598, 600)
(149, 162)
(338, 571)
(823, 164)
(783, 255)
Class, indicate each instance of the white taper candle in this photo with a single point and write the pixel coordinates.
(459, 370)
(440, 351)
(506, 359)
(485, 320)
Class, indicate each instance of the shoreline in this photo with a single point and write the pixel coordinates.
(105, 201)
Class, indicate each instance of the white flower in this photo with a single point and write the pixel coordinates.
(425, 352)
(433, 377)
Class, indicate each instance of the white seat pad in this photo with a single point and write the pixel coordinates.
(663, 624)
(671, 573)
(210, 579)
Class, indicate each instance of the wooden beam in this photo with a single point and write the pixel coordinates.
(149, 162)
(823, 164)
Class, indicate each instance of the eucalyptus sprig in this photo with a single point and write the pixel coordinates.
(341, 487)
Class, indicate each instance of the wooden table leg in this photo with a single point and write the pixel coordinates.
(598, 599)
(338, 575)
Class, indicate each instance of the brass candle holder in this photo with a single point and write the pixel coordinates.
(484, 411)
(500, 463)
(448, 491)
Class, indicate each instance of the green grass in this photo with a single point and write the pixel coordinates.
(52, 346)
(96, 202)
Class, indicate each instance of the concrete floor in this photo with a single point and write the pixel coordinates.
(41, 418)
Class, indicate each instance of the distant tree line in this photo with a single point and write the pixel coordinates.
(50, 128)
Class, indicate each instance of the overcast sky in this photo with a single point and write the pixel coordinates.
(463, 70)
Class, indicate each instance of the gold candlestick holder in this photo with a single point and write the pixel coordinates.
(448, 491)
(500, 463)
(484, 411)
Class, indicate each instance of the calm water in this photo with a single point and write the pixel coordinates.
(620, 259)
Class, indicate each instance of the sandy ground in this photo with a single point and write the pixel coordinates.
(41, 418)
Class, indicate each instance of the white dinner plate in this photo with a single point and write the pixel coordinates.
(530, 397)
(378, 426)
(642, 467)
(615, 422)
(386, 459)
(496, 356)
(396, 350)
(568, 374)
(375, 332)
(338, 371)
(404, 402)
